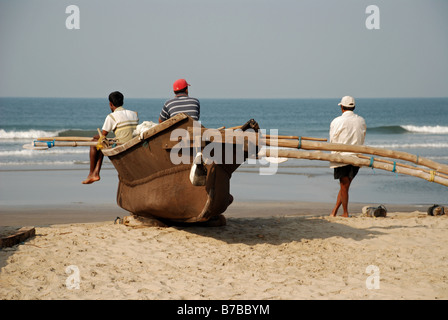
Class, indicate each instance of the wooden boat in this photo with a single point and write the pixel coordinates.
(150, 185)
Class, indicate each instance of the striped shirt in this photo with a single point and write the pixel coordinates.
(122, 122)
(181, 104)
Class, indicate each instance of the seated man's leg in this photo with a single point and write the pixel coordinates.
(96, 161)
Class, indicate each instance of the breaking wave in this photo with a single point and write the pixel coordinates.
(29, 134)
(409, 129)
(426, 129)
(34, 153)
(34, 134)
(436, 145)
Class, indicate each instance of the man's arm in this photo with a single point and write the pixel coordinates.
(103, 132)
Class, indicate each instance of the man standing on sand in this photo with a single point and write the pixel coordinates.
(349, 128)
(122, 122)
(181, 103)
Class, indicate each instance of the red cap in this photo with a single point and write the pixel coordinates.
(180, 84)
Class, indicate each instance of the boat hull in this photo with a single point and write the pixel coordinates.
(151, 185)
(170, 195)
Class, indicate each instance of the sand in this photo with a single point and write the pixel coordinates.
(290, 254)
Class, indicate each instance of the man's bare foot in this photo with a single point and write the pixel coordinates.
(90, 180)
(345, 215)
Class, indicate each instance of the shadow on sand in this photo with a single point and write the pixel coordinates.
(279, 230)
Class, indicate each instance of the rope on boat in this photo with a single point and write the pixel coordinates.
(159, 174)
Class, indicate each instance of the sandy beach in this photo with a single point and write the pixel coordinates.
(281, 251)
(281, 248)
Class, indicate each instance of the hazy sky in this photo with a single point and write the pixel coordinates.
(224, 48)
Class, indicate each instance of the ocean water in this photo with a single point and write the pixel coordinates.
(418, 126)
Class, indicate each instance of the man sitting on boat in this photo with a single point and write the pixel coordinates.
(122, 122)
(181, 103)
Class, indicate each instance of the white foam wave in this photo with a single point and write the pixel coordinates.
(426, 129)
(438, 158)
(412, 145)
(38, 163)
(29, 134)
(33, 153)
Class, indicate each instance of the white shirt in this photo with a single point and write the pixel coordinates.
(349, 128)
(122, 122)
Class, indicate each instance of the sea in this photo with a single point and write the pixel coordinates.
(414, 125)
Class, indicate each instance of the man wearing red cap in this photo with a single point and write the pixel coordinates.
(181, 103)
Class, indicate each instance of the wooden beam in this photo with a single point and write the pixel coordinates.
(9, 239)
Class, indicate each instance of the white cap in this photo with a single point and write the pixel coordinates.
(347, 101)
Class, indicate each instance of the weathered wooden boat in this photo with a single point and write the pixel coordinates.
(151, 185)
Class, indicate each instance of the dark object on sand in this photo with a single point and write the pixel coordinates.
(379, 211)
(9, 238)
(436, 210)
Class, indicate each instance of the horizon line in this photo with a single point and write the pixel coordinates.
(231, 98)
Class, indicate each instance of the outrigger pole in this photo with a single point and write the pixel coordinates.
(362, 149)
(437, 174)
(49, 142)
(431, 175)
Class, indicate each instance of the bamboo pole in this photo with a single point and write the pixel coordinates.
(65, 144)
(234, 128)
(253, 135)
(353, 160)
(325, 146)
(302, 143)
(401, 164)
(65, 139)
(270, 136)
